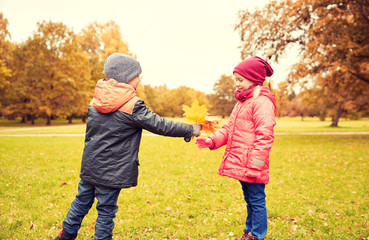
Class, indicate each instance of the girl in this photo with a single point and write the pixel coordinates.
(249, 136)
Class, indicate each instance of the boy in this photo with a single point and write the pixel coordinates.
(116, 117)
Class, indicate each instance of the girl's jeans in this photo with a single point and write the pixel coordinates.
(256, 221)
(106, 207)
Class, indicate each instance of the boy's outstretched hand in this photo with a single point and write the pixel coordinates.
(204, 143)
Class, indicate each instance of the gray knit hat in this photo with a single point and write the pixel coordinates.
(121, 67)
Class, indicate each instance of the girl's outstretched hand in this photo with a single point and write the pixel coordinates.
(204, 142)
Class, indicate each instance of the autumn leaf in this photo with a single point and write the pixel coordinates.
(210, 126)
(295, 219)
(293, 229)
(195, 113)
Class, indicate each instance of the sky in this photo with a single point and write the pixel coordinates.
(178, 43)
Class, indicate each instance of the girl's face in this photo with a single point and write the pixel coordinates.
(242, 83)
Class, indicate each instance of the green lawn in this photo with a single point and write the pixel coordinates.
(292, 125)
(319, 189)
(315, 125)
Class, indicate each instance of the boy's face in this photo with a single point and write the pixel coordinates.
(242, 83)
(135, 82)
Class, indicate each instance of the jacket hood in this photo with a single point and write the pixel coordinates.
(264, 91)
(110, 95)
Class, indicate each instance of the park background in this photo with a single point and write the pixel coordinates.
(319, 163)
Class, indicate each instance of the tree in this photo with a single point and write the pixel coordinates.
(150, 96)
(223, 101)
(282, 98)
(169, 102)
(99, 41)
(176, 98)
(332, 37)
(5, 49)
(76, 66)
(314, 104)
(51, 75)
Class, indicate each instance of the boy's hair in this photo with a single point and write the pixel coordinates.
(121, 67)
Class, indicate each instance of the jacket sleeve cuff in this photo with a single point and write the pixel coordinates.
(212, 144)
(189, 134)
(219, 139)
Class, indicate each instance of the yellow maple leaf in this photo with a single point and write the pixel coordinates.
(195, 113)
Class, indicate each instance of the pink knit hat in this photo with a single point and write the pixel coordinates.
(254, 69)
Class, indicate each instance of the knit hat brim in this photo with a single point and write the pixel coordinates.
(254, 69)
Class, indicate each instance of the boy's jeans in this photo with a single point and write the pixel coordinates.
(256, 221)
(106, 207)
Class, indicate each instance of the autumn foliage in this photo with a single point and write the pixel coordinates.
(53, 73)
(332, 37)
(197, 113)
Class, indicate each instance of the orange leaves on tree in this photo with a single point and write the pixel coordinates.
(197, 113)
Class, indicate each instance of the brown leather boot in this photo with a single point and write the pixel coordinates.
(245, 236)
(252, 237)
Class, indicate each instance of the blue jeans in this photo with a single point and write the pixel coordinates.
(257, 220)
(106, 207)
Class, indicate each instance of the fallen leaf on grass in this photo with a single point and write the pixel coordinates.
(63, 183)
(293, 229)
(295, 219)
(322, 216)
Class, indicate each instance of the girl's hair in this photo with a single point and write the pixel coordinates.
(256, 93)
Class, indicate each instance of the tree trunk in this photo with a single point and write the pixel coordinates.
(70, 118)
(48, 123)
(84, 118)
(32, 119)
(337, 117)
(23, 119)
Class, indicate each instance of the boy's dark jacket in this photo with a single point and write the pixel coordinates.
(116, 117)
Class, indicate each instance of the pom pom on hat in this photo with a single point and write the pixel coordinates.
(121, 67)
(254, 69)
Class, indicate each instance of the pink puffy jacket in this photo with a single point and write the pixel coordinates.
(249, 136)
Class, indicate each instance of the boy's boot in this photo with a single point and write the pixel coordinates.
(63, 235)
(245, 236)
(252, 237)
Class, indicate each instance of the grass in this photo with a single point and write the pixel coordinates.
(319, 189)
(309, 124)
(290, 125)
